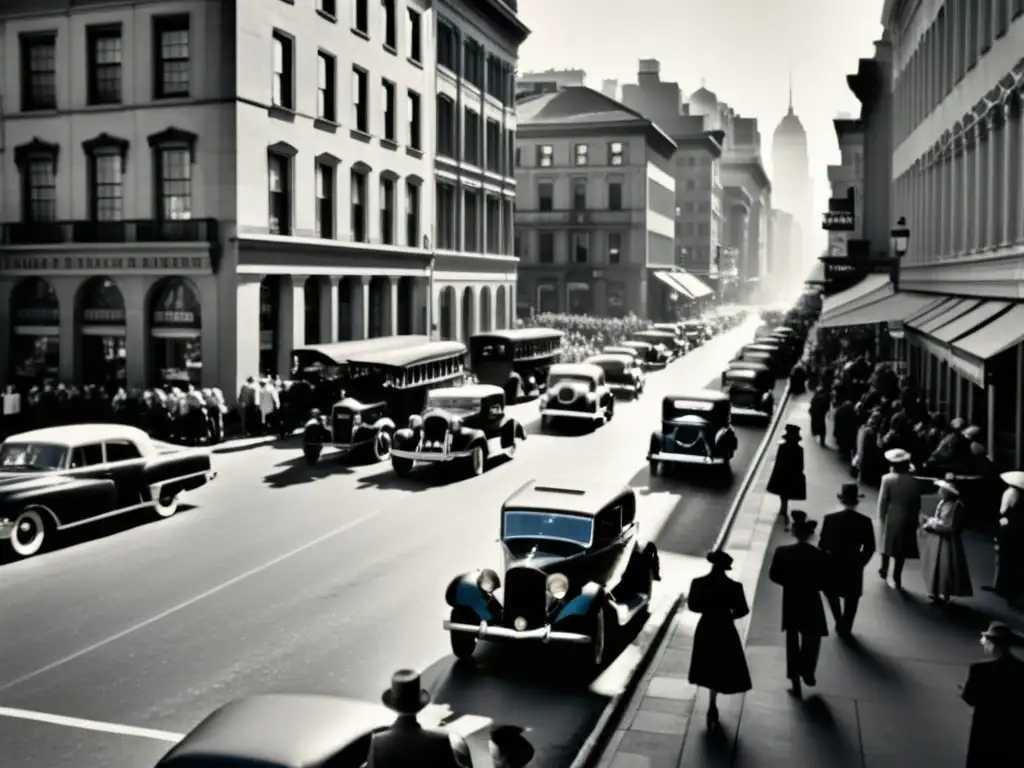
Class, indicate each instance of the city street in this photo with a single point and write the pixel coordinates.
(325, 579)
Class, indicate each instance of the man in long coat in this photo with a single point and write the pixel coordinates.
(848, 538)
(899, 506)
(993, 689)
(844, 427)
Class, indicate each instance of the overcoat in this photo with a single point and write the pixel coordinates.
(718, 661)
(787, 480)
(899, 505)
(869, 456)
(993, 689)
(1010, 541)
(848, 538)
(802, 570)
(818, 410)
(943, 559)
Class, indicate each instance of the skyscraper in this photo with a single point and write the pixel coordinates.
(792, 190)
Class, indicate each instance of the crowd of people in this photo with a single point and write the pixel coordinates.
(585, 336)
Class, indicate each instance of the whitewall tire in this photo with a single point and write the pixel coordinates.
(165, 506)
(29, 534)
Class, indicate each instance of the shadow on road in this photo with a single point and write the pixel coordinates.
(296, 471)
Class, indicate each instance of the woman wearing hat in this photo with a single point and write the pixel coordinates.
(787, 480)
(993, 689)
(868, 461)
(1009, 579)
(717, 661)
(943, 560)
(899, 507)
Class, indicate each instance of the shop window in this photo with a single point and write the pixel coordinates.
(175, 327)
(35, 332)
(101, 325)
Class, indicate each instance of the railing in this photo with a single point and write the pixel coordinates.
(131, 231)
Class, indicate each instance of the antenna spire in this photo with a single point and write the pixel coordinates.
(791, 89)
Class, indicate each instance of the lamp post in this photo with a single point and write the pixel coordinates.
(427, 246)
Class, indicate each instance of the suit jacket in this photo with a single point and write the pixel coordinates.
(802, 570)
(993, 688)
(899, 506)
(848, 538)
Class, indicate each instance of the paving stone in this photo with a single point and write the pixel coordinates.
(677, 688)
(660, 722)
(660, 749)
(674, 663)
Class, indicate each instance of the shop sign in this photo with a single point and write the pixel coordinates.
(165, 317)
(838, 221)
(103, 316)
(104, 264)
(37, 316)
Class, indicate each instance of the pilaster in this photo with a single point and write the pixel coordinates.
(992, 203)
(67, 367)
(247, 325)
(291, 321)
(329, 308)
(1010, 185)
(360, 306)
(393, 307)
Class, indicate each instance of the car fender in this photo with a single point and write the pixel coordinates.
(65, 492)
(656, 443)
(384, 423)
(590, 599)
(404, 439)
(650, 554)
(467, 437)
(464, 592)
(509, 424)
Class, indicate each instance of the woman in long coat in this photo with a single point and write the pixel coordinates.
(787, 480)
(899, 507)
(717, 661)
(819, 410)
(943, 560)
(869, 455)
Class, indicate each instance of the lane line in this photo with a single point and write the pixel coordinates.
(191, 601)
(91, 725)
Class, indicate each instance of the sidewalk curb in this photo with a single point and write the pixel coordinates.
(593, 748)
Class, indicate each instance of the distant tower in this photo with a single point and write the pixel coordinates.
(792, 190)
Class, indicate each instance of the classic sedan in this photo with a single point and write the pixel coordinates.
(59, 478)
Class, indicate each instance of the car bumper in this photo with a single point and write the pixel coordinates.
(433, 456)
(560, 414)
(737, 411)
(544, 634)
(685, 458)
(624, 387)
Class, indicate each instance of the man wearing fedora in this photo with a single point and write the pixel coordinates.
(993, 689)
(407, 742)
(899, 507)
(848, 538)
(1009, 544)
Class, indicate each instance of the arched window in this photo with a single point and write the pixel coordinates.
(101, 328)
(176, 323)
(35, 332)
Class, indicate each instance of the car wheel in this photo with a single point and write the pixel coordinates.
(599, 639)
(655, 467)
(477, 461)
(382, 446)
(312, 454)
(463, 643)
(29, 534)
(609, 413)
(165, 506)
(402, 467)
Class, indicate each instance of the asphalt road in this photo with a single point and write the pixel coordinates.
(325, 579)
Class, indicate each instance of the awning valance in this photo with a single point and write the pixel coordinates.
(897, 307)
(923, 317)
(953, 312)
(872, 288)
(998, 336)
(696, 287)
(673, 285)
(970, 322)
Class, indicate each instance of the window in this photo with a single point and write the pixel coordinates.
(175, 183)
(545, 155)
(546, 252)
(545, 196)
(329, 7)
(39, 72)
(361, 16)
(517, 247)
(388, 97)
(493, 141)
(703, 228)
(579, 195)
(496, 80)
(415, 125)
(473, 63)
(519, 157)
(616, 153)
(471, 127)
(359, 206)
(387, 211)
(412, 215)
(691, 184)
(615, 196)
(580, 154)
(614, 247)
(389, 25)
(106, 169)
(324, 200)
(445, 126)
(172, 64)
(87, 456)
(278, 171)
(447, 47)
(41, 188)
(414, 32)
(360, 96)
(104, 64)
(581, 247)
(283, 72)
(121, 450)
(326, 108)
(445, 214)
(513, 158)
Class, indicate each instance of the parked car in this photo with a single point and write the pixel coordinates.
(624, 350)
(696, 332)
(777, 356)
(574, 569)
(59, 478)
(682, 344)
(458, 424)
(743, 365)
(751, 390)
(622, 373)
(517, 360)
(696, 428)
(652, 356)
(662, 341)
(577, 391)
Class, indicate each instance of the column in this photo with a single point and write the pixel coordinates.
(934, 167)
(67, 295)
(980, 188)
(942, 205)
(291, 321)
(393, 308)
(991, 188)
(247, 331)
(969, 184)
(1009, 162)
(360, 306)
(955, 193)
(329, 307)
(418, 320)
(1019, 175)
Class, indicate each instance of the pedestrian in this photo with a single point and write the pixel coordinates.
(247, 406)
(868, 461)
(1009, 545)
(718, 662)
(899, 509)
(509, 748)
(943, 559)
(844, 429)
(993, 690)
(787, 480)
(818, 411)
(798, 380)
(802, 570)
(848, 538)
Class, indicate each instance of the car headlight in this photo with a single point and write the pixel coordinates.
(357, 420)
(415, 421)
(558, 585)
(591, 397)
(488, 581)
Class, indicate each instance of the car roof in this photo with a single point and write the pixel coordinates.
(425, 352)
(632, 343)
(80, 434)
(569, 369)
(342, 351)
(615, 350)
(468, 391)
(609, 357)
(746, 373)
(653, 331)
(519, 334)
(577, 497)
(709, 395)
(747, 365)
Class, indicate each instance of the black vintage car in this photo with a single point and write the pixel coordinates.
(651, 356)
(59, 478)
(466, 424)
(516, 360)
(633, 352)
(696, 428)
(384, 386)
(575, 568)
(764, 353)
(682, 344)
(662, 341)
(622, 373)
(751, 390)
(579, 392)
(696, 332)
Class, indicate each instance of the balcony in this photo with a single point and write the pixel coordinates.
(104, 232)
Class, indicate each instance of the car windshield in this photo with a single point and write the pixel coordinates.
(491, 350)
(548, 525)
(563, 378)
(32, 456)
(459, 406)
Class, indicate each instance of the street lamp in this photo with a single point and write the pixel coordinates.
(431, 320)
(900, 235)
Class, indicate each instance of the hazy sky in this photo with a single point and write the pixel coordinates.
(743, 49)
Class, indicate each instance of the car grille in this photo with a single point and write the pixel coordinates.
(744, 399)
(342, 428)
(435, 430)
(525, 596)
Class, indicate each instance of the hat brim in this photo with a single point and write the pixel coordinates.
(947, 486)
(388, 699)
(1013, 479)
(845, 497)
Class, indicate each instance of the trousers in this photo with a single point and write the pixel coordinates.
(844, 609)
(802, 649)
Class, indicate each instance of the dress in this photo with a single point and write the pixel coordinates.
(718, 661)
(787, 480)
(943, 560)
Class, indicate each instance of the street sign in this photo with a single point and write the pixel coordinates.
(838, 221)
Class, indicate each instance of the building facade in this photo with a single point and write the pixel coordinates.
(786, 267)
(792, 188)
(748, 205)
(846, 182)
(594, 215)
(191, 190)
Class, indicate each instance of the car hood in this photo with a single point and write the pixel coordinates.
(10, 481)
(533, 555)
(354, 406)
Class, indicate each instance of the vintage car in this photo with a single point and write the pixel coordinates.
(663, 341)
(751, 391)
(696, 332)
(624, 350)
(682, 344)
(622, 373)
(574, 569)
(650, 355)
(516, 360)
(59, 478)
(743, 365)
(696, 428)
(387, 380)
(765, 353)
(466, 424)
(579, 392)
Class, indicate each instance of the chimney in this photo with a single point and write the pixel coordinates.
(610, 88)
(649, 71)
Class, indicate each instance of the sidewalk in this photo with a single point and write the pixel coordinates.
(231, 445)
(887, 699)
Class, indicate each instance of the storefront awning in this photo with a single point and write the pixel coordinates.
(673, 285)
(998, 336)
(696, 287)
(895, 308)
(953, 312)
(871, 288)
(970, 322)
(923, 317)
